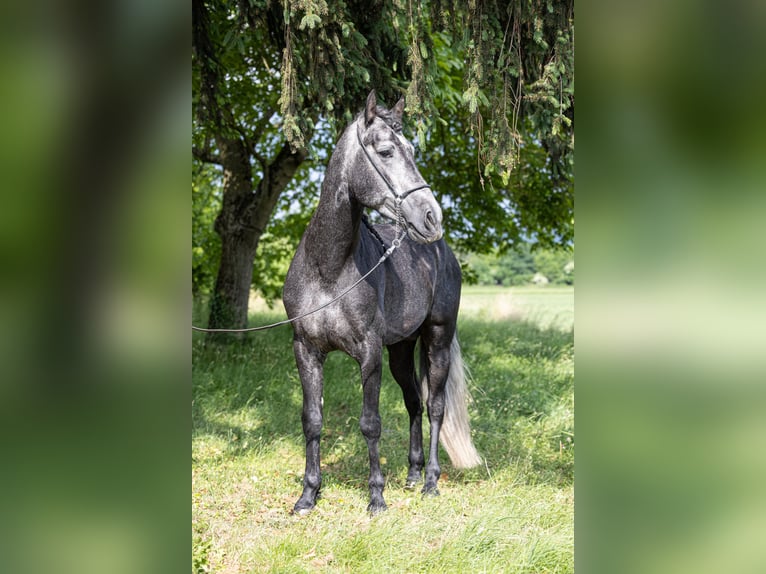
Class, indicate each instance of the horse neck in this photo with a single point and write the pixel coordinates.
(333, 232)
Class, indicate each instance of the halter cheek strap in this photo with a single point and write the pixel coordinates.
(400, 197)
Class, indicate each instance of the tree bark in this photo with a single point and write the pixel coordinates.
(245, 213)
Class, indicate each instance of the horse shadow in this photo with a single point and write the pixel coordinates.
(247, 399)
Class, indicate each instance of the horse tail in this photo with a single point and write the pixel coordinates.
(455, 434)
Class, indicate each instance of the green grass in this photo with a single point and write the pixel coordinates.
(513, 515)
(543, 306)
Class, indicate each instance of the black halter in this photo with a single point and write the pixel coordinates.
(400, 197)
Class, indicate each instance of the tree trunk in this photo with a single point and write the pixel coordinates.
(244, 216)
(228, 307)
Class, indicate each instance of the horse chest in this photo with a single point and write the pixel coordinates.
(341, 326)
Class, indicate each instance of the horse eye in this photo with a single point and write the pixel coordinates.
(386, 152)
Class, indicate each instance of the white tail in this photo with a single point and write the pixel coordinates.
(455, 435)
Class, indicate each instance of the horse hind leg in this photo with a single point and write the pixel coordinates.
(448, 396)
(434, 366)
(401, 361)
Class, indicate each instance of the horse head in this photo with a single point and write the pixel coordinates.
(390, 181)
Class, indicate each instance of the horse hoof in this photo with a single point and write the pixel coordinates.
(376, 508)
(413, 479)
(302, 509)
(432, 491)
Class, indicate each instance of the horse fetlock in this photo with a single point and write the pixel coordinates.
(376, 483)
(432, 476)
(415, 473)
(417, 460)
(312, 482)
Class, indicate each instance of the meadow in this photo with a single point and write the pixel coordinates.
(514, 514)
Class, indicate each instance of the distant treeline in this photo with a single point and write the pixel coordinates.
(521, 266)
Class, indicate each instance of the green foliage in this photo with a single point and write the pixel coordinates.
(556, 266)
(206, 245)
(275, 251)
(490, 103)
(200, 551)
(278, 244)
(518, 79)
(332, 57)
(520, 265)
(233, 66)
(484, 208)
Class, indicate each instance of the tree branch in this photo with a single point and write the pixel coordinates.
(206, 155)
(276, 176)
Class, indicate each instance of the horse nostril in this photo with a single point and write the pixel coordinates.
(430, 222)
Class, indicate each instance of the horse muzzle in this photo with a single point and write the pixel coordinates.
(424, 221)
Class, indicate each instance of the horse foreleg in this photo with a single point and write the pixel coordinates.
(370, 425)
(310, 362)
(402, 364)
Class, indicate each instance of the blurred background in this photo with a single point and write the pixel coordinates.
(94, 338)
(669, 308)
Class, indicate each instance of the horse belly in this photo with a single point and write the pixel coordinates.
(403, 322)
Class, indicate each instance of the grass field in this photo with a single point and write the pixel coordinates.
(515, 514)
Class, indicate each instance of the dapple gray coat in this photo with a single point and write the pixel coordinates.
(413, 295)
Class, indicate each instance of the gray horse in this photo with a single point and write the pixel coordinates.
(413, 295)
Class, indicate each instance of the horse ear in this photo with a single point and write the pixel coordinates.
(398, 110)
(371, 109)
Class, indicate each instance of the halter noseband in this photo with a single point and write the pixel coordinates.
(400, 197)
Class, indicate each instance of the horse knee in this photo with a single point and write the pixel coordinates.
(312, 424)
(370, 425)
